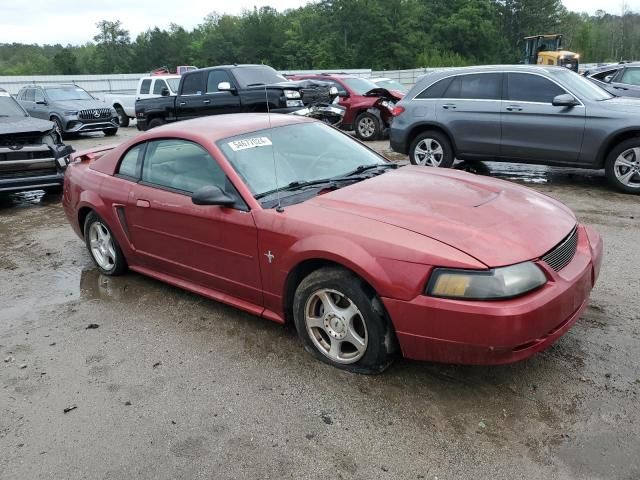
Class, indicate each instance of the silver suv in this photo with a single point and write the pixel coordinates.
(518, 113)
(69, 107)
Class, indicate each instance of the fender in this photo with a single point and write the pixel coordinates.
(342, 251)
(419, 127)
(609, 143)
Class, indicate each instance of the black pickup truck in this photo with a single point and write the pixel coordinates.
(239, 88)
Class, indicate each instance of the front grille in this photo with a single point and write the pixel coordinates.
(94, 114)
(315, 95)
(25, 152)
(29, 173)
(21, 139)
(563, 253)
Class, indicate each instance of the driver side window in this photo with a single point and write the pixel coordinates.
(184, 167)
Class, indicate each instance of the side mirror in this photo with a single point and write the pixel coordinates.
(343, 94)
(212, 195)
(565, 100)
(164, 92)
(225, 87)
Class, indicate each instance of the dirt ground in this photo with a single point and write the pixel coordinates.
(173, 386)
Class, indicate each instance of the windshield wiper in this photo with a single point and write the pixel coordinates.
(364, 168)
(300, 185)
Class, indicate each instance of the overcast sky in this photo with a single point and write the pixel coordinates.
(73, 21)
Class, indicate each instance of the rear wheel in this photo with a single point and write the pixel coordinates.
(156, 122)
(367, 126)
(623, 166)
(342, 323)
(431, 149)
(103, 246)
(123, 118)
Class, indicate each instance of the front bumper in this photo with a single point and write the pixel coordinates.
(20, 184)
(80, 126)
(498, 332)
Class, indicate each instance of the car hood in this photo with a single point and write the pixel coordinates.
(13, 125)
(496, 222)
(622, 104)
(78, 104)
(383, 92)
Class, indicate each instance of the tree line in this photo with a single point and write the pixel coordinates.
(329, 34)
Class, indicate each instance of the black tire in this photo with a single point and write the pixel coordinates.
(447, 156)
(634, 169)
(123, 119)
(119, 265)
(374, 328)
(155, 122)
(110, 132)
(367, 127)
(58, 124)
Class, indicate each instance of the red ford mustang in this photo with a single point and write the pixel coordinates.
(289, 219)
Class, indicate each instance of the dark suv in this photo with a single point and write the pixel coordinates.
(71, 108)
(32, 155)
(518, 113)
(622, 79)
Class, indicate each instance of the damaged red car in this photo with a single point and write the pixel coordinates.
(369, 106)
(289, 219)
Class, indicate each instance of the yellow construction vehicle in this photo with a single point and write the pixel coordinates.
(547, 50)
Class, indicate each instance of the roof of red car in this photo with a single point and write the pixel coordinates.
(217, 127)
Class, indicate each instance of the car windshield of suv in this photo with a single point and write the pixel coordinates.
(9, 107)
(307, 152)
(68, 93)
(252, 76)
(391, 85)
(581, 86)
(359, 85)
(173, 84)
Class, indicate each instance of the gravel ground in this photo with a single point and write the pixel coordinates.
(171, 385)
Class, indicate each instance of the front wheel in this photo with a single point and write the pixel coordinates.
(341, 323)
(431, 149)
(103, 246)
(623, 166)
(367, 127)
(156, 122)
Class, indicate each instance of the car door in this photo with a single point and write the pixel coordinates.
(533, 130)
(470, 110)
(28, 100)
(189, 103)
(626, 82)
(40, 108)
(215, 102)
(211, 246)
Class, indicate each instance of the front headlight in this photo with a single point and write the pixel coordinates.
(71, 113)
(295, 103)
(494, 284)
(292, 94)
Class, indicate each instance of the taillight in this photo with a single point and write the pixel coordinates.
(397, 111)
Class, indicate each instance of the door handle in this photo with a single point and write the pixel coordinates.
(143, 203)
(514, 108)
(448, 106)
(183, 103)
(206, 102)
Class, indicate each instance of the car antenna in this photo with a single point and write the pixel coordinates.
(279, 208)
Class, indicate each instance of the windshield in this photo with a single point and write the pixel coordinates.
(9, 107)
(260, 75)
(581, 86)
(303, 153)
(173, 84)
(391, 85)
(359, 85)
(68, 93)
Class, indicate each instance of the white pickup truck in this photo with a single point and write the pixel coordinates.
(148, 87)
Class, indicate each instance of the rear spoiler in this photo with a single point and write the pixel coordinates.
(92, 153)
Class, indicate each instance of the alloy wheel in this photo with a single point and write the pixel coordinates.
(429, 153)
(627, 167)
(366, 127)
(102, 247)
(336, 326)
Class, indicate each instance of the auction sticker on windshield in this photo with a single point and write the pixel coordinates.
(246, 143)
